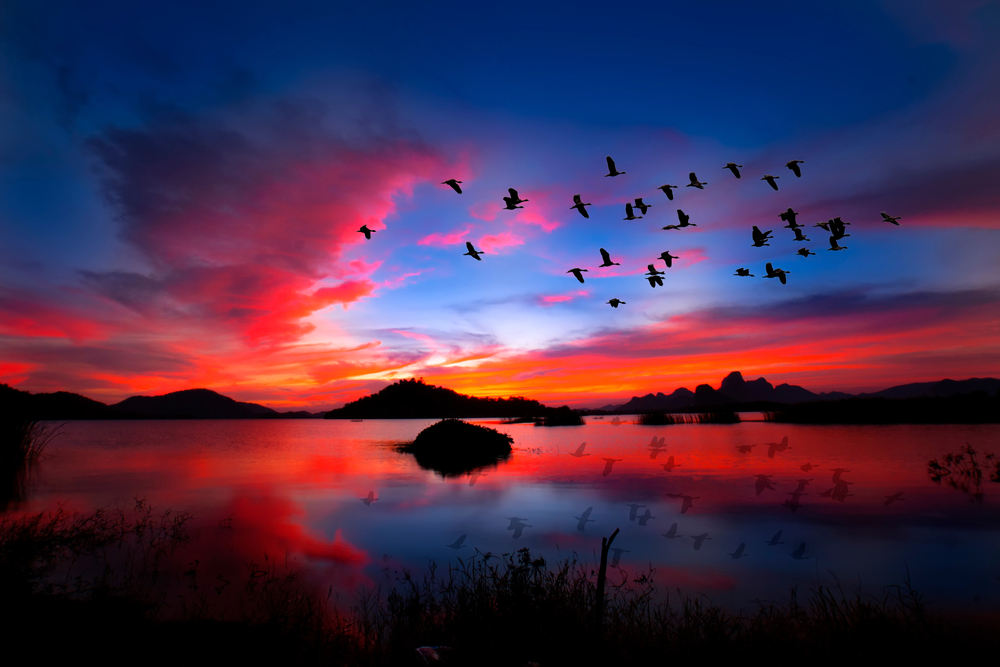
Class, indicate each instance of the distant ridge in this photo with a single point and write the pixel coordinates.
(192, 404)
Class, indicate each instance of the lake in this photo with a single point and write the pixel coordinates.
(296, 490)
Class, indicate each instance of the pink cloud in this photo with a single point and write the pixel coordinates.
(485, 211)
(439, 239)
(527, 217)
(560, 298)
(496, 242)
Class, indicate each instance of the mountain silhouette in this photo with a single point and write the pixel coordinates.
(192, 404)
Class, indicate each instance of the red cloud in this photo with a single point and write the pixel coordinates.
(496, 242)
(439, 239)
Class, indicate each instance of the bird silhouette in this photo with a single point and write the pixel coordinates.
(607, 259)
(806, 467)
(641, 205)
(773, 447)
(608, 464)
(629, 215)
(776, 273)
(745, 449)
(698, 539)
(797, 554)
(633, 511)
(584, 519)
(670, 465)
(834, 246)
(774, 541)
(667, 258)
(802, 484)
(794, 166)
(840, 490)
(615, 302)
(579, 205)
(771, 180)
(893, 498)
(645, 517)
(763, 483)
(685, 221)
(695, 183)
(473, 253)
(733, 167)
(888, 218)
(654, 280)
(799, 236)
(579, 451)
(475, 476)
(743, 272)
(653, 271)
(578, 273)
(760, 238)
(369, 499)
(828, 493)
(687, 502)
(517, 526)
(672, 533)
(454, 186)
(654, 452)
(513, 200)
(793, 502)
(654, 443)
(457, 544)
(668, 190)
(838, 228)
(617, 555)
(738, 554)
(804, 252)
(789, 217)
(837, 472)
(612, 171)
(367, 232)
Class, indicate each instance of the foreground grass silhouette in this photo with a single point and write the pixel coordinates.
(108, 584)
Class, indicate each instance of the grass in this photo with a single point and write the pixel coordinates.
(22, 445)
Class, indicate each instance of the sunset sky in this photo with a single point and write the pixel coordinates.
(181, 186)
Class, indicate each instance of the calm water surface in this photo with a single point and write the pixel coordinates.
(295, 488)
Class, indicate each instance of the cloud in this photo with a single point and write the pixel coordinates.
(439, 239)
(495, 242)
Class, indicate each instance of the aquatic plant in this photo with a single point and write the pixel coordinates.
(963, 472)
(562, 416)
(658, 418)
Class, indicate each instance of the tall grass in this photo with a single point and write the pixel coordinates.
(667, 419)
(22, 445)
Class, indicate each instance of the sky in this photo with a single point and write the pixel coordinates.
(181, 187)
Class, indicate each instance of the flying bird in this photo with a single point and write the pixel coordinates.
(789, 217)
(834, 245)
(837, 472)
(454, 186)
(668, 190)
(774, 541)
(763, 483)
(367, 232)
(615, 302)
(794, 166)
(773, 447)
(738, 554)
(579, 205)
(369, 499)
(457, 544)
(797, 554)
(799, 236)
(473, 253)
(695, 183)
(743, 272)
(804, 252)
(579, 451)
(806, 467)
(775, 273)
(608, 464)
(760, 238)
(668, 258)
(517, 526)
(633, 511)
(584, 519)
(617, 555)
(889, 218)
(607, 259)
(654, 281)
(687, 501)
(513, 200)
(672, 533)
(698, 539)
(684, 219)
(641, 205)
(733, 167)
(578, 273)
(802, 484)
(612, 171)
(629, 215)
(745, 449)
(645, 517)
(838, 228)
(893, 498)
(770, 180)
(670, 465)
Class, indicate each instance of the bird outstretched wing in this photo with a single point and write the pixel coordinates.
(605, 256)
(468, 244)
(611, 165)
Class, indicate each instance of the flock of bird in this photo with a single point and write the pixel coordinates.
(835, 226)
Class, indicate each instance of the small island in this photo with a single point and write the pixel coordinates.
(453, 447)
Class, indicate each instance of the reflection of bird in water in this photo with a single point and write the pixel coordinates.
(670, 465)
(474, 476)
(894, 497)
(745, 449)
(738, 554)
(793, 502)
(773, 447)
(646, 517)
(837, 472)
(369, 499)
(656, 446)
(698, 539)
(633, 510)
(457, 544)
(803, 483)
(797, 554)
(579, 451)
(584, 519)
(806, 467)
(774, 541)
(617, 556)
(608, 464)
(763, 484)
(688, 501)
(827, 494)
(517, 526)
(840, 491)
(672, 533)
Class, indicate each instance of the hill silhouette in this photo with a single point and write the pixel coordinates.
(413, 399)
(192, 404)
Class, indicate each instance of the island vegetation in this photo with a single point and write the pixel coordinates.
(975, 408)
(453, 447)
